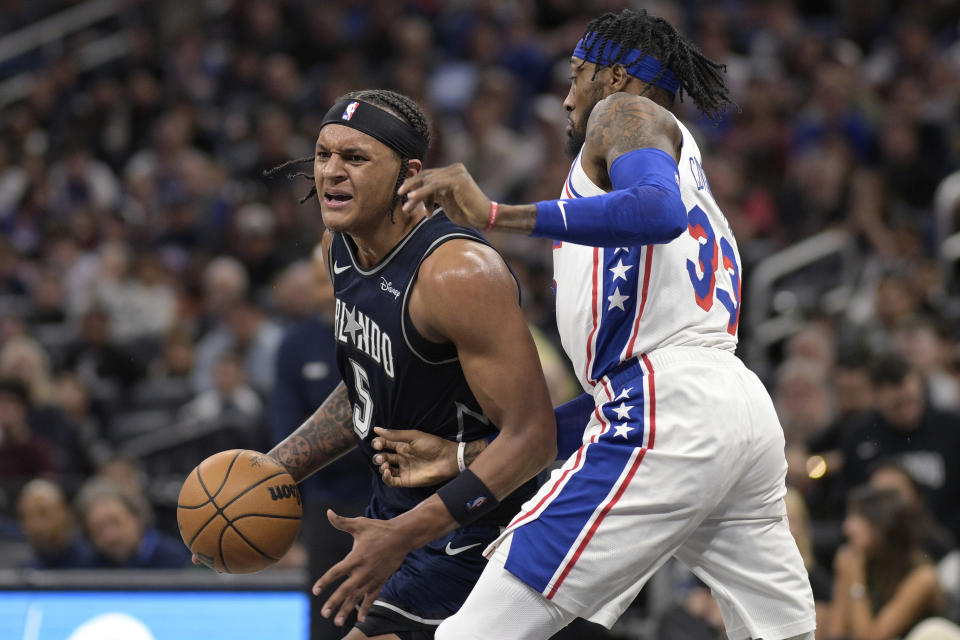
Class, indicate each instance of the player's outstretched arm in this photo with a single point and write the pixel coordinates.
(321, 439)
(411, 458)
(466, 295)
(631, 149)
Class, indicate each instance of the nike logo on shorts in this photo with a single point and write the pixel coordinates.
(452, 551)
(337, 269)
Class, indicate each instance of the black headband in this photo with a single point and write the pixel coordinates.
(381, 124)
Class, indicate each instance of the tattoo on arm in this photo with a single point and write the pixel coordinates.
(624, 122)
(472, 450)
(324, 437)
(517, 218)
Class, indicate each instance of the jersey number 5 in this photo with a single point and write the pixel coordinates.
(362, 410)
(705, 283)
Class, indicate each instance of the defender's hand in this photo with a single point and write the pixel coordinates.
(411, 458)
(454, 189)
(378, 551)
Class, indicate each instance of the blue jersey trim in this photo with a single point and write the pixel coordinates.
(535, 557)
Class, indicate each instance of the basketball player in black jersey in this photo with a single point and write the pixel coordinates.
(429, 334)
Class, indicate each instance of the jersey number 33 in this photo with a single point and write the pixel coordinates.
(705, 282)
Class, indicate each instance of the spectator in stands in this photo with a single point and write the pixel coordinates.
(294, 293)
(22, 358)
(175, 361)
(930, 352)
(116, 524)
(224, 283)
(167, 386)
(883, 583)
(129, 475)
(896, 304)
(934, 538)
(248, 331)
(803, 400)
(75, 404)
(47, 300)
(254, 243)
(852, 399)
(46, 520)
(904, 429)
(79, 181)
(104, 367)
(134, 293)
(228, 415)
(23, 454)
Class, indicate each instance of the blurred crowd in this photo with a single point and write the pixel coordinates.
(159, 299)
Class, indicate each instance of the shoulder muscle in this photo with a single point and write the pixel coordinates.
(624, 122)
(459, 281)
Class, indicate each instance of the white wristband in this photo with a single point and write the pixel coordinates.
(460, 462)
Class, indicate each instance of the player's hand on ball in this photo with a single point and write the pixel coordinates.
(454, 189)
(411, 458)
(378, 551)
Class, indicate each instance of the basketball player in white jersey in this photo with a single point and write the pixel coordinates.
(679, 450)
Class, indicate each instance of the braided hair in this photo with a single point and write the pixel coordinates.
(397, 104)
(699, 77)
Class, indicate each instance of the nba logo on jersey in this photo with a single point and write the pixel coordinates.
(350, 110)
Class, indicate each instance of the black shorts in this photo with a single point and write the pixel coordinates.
(430, 585)
(381, 620)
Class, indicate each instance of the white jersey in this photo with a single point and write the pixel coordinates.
(617, 303)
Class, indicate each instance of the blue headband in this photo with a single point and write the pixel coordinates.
(637, 63)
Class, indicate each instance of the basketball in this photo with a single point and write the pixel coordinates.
(239, 511)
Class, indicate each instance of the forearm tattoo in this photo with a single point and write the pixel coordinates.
(324, 437)
(517, 218)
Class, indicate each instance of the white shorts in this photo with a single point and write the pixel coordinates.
(684, 456)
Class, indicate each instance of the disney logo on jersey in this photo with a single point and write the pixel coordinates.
(351, 327)
(386, 285)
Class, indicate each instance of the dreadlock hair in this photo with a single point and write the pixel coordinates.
(397, 104)
(699, 77)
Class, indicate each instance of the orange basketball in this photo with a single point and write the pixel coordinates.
(239, 511)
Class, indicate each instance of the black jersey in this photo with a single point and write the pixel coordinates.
(396, 378)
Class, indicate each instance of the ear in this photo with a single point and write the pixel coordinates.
(619, 78)
(414, 167)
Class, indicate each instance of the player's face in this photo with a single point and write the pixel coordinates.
(356, 176)
(585, 92)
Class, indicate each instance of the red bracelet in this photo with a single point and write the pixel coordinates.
(494, 208)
